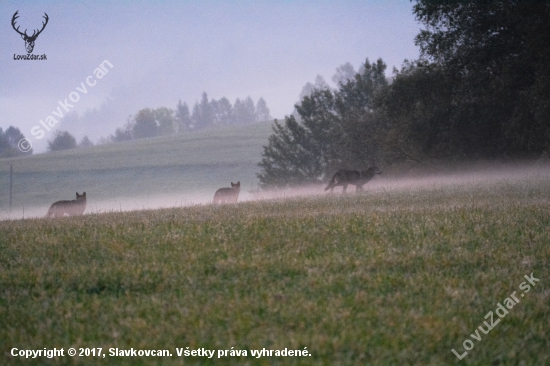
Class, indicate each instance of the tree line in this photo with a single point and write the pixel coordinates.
(481, 89)
(155, 122)
(205, 114)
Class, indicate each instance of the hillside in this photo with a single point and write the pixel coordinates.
(149, 173)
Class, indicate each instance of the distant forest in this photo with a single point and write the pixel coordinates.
(155, 122)
(206, 114)
(480, 89)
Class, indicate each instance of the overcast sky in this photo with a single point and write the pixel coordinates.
(164, 51)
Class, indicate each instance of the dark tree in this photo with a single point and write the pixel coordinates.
(337, 129)
(9, 143)
(417, 108)
(290, 158)
(496, 58)
(62, 140)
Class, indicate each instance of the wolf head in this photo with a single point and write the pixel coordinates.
(81, 197)
(372, 171)
(236, 186)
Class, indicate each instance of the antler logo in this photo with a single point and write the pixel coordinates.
(29, 40)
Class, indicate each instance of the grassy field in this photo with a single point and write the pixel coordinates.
(116, 175)
(390, 277)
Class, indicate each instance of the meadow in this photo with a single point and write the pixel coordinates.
(398, 275)
(136, 174)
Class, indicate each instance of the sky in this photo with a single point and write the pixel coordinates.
(160, 52)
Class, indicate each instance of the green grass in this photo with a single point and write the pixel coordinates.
(388, 278)
(204, 160)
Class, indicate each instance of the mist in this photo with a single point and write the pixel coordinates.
(162, 52)
(393, 181)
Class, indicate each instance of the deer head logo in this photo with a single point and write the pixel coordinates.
(29, 40)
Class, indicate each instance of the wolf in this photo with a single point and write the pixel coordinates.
(354, 177)
(71, 208)
(227, 195)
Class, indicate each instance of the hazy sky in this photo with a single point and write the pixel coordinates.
(163, 51)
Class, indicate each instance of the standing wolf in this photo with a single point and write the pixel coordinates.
(71, 208)
(354, 177)
(227, 195)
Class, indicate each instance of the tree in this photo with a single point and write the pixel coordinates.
(11, 143)
(289, 159)
(62, 140)
(145, 124)
(344, 73)
(206, 113)
(496, 56)
(224, 112)
(337, 129)
(363, 130)
(416, 109)
(164, 117)
(262, 112)
(125, 133)
(85, 142)
(250, 111)
(203, 113)
(6, 150)
(245, 112)
(122, 135)
(183, 118)
(309, 88)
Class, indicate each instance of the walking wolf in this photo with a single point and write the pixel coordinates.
(354, 177)
(70, 208)
(227, 195)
